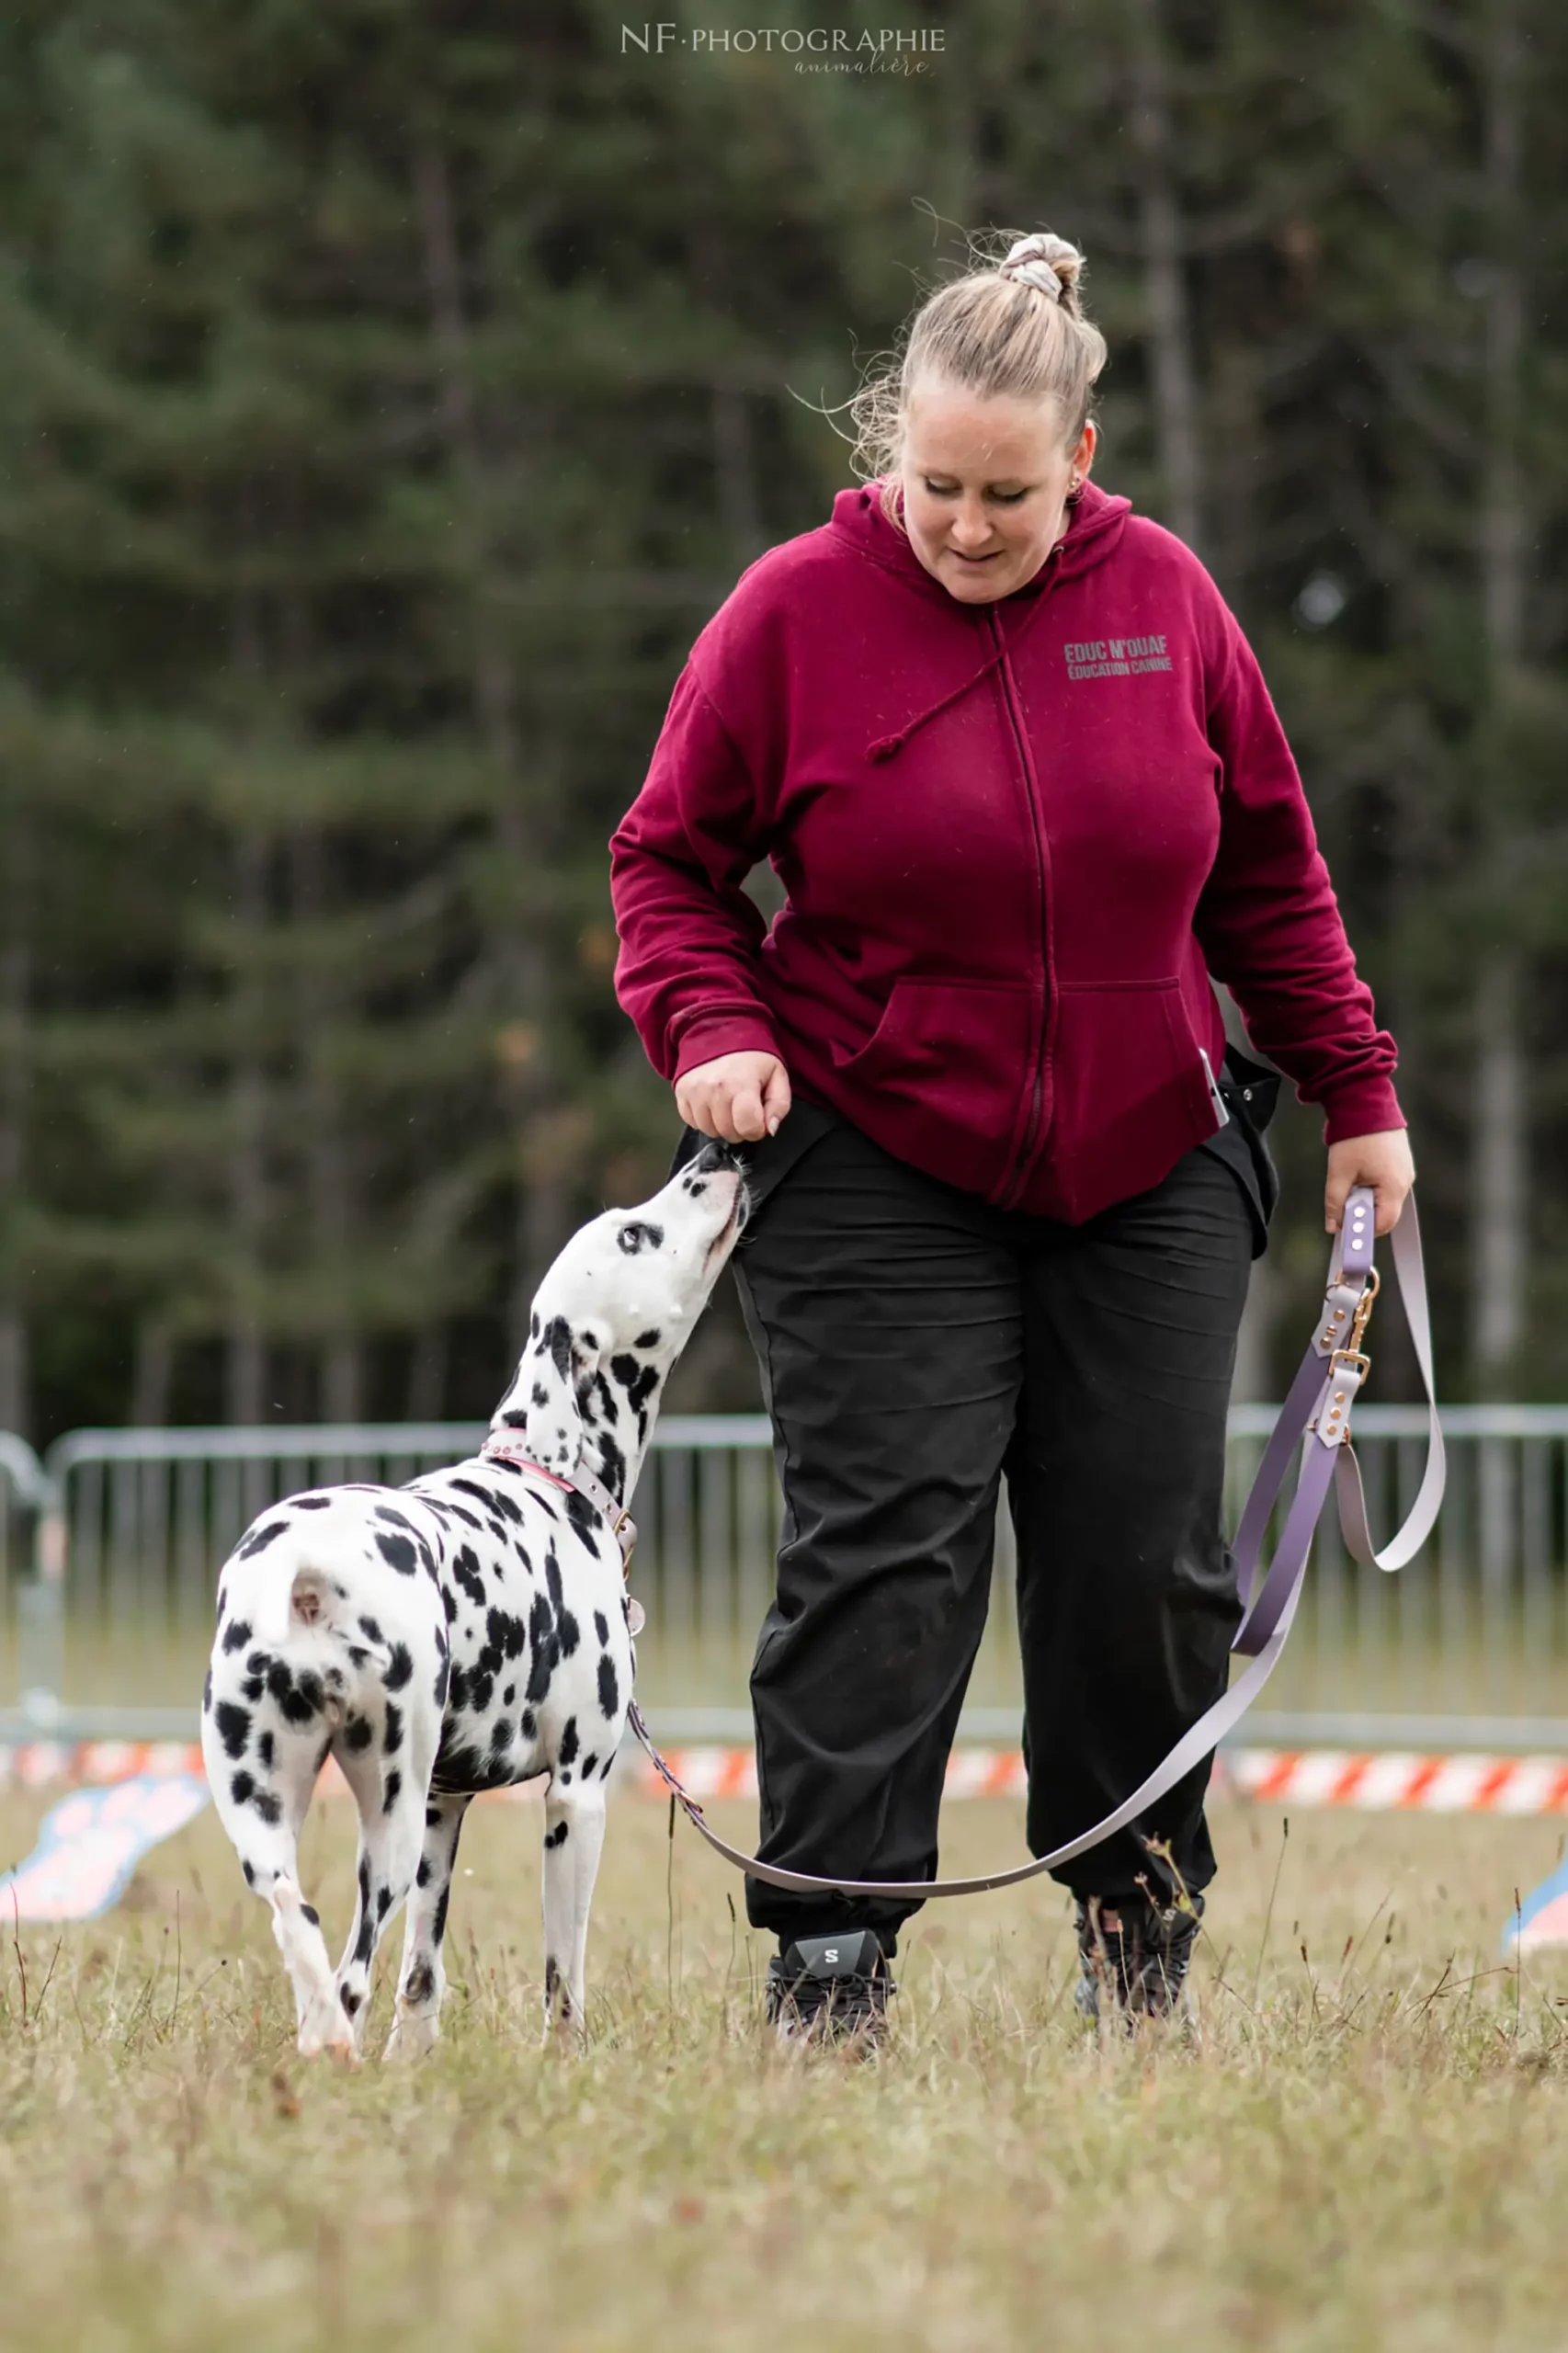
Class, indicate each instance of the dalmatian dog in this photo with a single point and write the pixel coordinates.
(464, 1632)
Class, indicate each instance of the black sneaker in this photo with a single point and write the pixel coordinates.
(830, 1989)
(1142, 1958)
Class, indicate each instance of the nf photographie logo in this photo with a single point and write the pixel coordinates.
(816, 49)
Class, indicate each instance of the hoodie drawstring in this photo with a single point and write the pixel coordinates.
(885, 746)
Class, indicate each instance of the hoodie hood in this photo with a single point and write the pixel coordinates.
(1095, 526)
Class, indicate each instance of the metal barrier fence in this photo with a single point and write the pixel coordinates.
(1469, 1645)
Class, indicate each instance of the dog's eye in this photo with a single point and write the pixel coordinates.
(639, 1235)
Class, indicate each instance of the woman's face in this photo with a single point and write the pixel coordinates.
(985, 485)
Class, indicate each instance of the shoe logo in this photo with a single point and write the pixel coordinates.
(1115, 657)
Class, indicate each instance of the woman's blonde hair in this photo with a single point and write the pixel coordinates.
(1012, 326)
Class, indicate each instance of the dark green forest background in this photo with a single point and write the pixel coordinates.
(388, 394)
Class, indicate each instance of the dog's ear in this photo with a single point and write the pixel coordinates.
(548, 1377)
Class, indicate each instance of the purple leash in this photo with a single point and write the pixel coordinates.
(1316, 1412)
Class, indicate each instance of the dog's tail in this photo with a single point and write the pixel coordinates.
(287, 1593)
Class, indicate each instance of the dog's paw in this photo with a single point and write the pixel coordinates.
(336, 2043)
(415, 2035)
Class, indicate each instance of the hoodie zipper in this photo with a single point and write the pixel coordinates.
(1027, 1143)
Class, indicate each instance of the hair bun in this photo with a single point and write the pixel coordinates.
(1049, 264)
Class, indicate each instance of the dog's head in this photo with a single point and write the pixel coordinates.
(614, 1312)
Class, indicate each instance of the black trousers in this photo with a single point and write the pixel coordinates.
(916, 1343)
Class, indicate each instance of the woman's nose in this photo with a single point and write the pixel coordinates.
(970, 527)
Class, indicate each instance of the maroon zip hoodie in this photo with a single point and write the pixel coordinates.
(1016, 837)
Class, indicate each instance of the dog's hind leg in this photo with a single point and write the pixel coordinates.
(573, 1839)
(262, 1778)
(391, 1825)
(423, 1977)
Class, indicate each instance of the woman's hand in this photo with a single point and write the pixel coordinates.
(1383, 1162)
(736, 1097)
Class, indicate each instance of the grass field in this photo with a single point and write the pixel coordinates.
(1362, 2141)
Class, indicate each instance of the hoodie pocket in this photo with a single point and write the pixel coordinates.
(1133, 1092)
(942, 1081)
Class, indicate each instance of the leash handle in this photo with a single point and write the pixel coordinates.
(1316, 1410)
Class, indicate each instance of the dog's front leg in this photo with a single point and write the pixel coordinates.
(574, 1836)
(423, 1977)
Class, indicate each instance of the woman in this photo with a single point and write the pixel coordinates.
(1019, 774)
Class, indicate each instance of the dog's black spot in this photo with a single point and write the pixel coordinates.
(392, 1739)
(509, 1694)
(465, 1570)
(384, 1903)
(555, 1342)
(250, 1874)
(357, 1657)
(506, 1506)
(370, 1628)
(439, 1925)
(348, 1998)
(530, 1724)
(308, 1912)
(422, 1876)
(299, 1704)
(400, 1668)
(311, 1503)
(510, 1421)
(585, 1520)
(269, 1808)
(540, 1393)
(556, 1837)
(648, 1339)
(421, 1985)
(449, 1605)
(546, 1650)
(262, 1536)
(480, 1691)
(601, 1627)
(500, 1733)
(264, 1752)
(393, 1791)
(609, 1687)
(588, 1764)
(242, 1788)
(462, 1511)
(236, 1634)
(565, 1624)
(393, 1518)
(359, 1734)
(206, 1694)
(398, 1554)
(432, 1817)
(567, 1753)
(508, 1634)
(252, 1688)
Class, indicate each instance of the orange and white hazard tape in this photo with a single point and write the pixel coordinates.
(1368, 1781)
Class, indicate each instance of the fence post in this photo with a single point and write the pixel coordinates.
(40, 1597)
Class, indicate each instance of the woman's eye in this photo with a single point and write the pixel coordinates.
(1002, 497)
